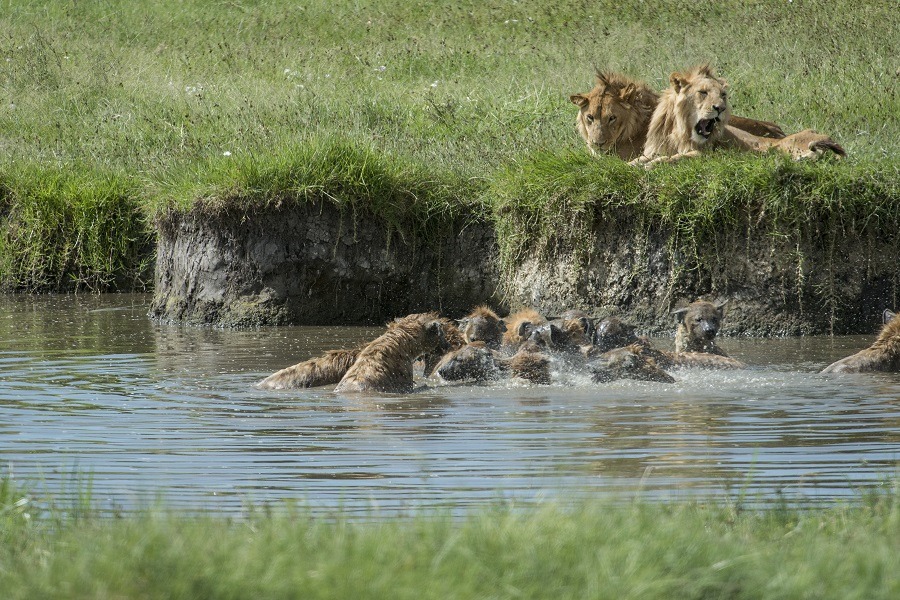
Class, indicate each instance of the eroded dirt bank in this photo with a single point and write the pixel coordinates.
(313, 264)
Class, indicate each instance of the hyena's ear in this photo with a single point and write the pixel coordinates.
(461, 323)
(501, 325)
(720, 306)
(887, 316)
(435, 328)
(525, 329)
(579, 99)
(586, 324)
(557, 335)
(679, 314)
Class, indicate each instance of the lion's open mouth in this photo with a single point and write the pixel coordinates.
(705, 127)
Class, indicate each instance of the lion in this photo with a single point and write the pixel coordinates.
(386, 363)
(322, 370)
(693, 114)
(882, 355)
(615, 115)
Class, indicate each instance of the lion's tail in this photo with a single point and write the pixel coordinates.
(824, 145)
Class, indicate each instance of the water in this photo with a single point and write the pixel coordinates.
(90, 388)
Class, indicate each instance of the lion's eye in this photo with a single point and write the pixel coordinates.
(589, 118)
(724, 96)
(612, 118)
(703, 93)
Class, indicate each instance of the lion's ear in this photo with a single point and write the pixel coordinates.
(579, 99)
(627, 94)
(678, 81)
(705, 70)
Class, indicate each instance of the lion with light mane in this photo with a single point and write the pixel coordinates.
(615, 115)
(693, 115)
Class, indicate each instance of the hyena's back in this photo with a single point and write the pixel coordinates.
(322, 370)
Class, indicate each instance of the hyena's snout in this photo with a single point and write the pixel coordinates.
(708, 329)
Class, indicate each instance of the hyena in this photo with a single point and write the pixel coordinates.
(386, 363)
(882, 355)
(322, 370)
(698, 324)
(628, 362)
(483, 325)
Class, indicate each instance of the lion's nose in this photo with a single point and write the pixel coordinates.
(717, 107)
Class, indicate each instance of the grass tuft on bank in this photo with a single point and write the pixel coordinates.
(72, 229)
(590, 550)
(551, 202)
(353, 176)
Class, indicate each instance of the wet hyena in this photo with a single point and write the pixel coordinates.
(386, 363)
(882, 355)
(483, 325)
(519, 327)
(628, 362)
(698, 324)
(322, 370)
(474, 361)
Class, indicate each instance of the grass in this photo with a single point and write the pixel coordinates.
(193, 103)
(703, 202)
(592, 550)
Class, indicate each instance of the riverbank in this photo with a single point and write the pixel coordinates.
(332, 234)
(122, 126)
(596, 549)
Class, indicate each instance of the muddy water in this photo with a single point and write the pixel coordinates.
(89, 385)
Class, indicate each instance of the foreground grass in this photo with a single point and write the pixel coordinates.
(596, 550)
(170, 97)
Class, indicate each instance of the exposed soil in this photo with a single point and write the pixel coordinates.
(313, 264)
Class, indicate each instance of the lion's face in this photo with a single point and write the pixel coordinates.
(702, 99)
(602, 117)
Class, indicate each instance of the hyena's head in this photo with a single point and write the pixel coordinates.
(613, 333)
(701, 319)
(473, 361)
(483, 325)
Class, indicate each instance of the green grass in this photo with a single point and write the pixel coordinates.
(704, 202)
(188, 101)
(72, 229)
(593, 550)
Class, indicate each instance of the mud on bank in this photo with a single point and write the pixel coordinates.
(797, 249)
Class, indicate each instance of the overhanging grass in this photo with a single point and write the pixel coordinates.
(553, 201)
(71, 229)
(591, 550)
(354, 176)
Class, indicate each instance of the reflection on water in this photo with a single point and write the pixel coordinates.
(91, 385)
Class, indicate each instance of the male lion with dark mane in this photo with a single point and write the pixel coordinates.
(615, 115)
(693, 115)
